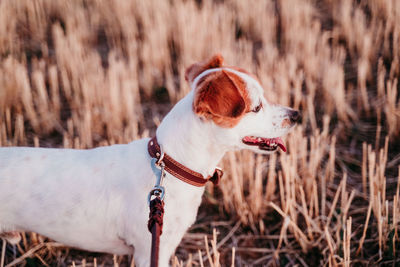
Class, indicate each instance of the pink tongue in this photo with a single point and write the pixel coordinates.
(276, 140)
(280, 143)
(249, 139)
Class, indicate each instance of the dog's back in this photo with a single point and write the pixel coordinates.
(66, 193)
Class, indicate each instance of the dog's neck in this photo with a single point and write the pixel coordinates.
(189, 140)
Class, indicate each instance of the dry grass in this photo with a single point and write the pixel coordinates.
(90, 73)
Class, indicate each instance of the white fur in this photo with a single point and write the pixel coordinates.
(97, 199)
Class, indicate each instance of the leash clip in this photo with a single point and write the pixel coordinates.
(158, 190)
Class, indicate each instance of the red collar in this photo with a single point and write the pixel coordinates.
(179, 171)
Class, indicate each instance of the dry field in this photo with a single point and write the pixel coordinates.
(83, 73)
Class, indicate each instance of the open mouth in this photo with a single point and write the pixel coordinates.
(268, 144)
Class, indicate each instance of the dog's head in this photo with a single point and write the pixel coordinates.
(233, 100)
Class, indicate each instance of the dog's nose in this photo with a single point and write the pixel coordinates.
(295, 116)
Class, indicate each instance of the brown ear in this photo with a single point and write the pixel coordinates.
(194, 70)
(221, 97)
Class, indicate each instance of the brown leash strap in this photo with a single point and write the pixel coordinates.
(180, 171)
(155, 225)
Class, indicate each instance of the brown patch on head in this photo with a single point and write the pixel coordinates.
(194, 70)
(221, 96)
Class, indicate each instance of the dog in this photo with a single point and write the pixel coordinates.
(96, 199)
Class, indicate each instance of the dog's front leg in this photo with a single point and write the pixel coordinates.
(168, 243)
(173, 231)
(140, 241)
(142, 254)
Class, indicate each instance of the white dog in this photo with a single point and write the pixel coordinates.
(96, 199)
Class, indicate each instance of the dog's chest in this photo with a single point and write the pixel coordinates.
(181, 205)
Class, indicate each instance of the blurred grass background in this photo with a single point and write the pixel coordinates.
(81, 74)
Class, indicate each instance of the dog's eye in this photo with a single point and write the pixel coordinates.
(258, 108)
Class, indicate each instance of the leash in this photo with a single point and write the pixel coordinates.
(156, 203)
(160, 163)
